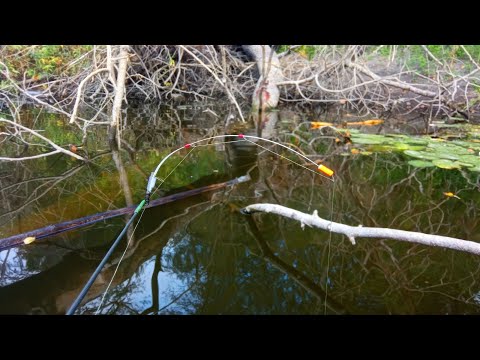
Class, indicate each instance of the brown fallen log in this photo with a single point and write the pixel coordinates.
(54, 229)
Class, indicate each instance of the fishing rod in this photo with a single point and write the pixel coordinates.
(153, 176)
(151, 184)
(99, 268)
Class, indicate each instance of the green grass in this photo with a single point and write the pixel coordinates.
(43, 61)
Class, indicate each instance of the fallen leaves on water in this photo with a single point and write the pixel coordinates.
(450, 194)
(366, 122)
(319, 124)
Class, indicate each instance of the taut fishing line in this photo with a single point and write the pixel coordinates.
(328, 252)
(327, 174)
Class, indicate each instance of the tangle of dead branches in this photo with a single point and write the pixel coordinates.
(354, 77)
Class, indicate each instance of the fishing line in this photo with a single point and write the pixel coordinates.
(150, 191)
(118, 265)
(131, 235)
(171, 172)
(284, 157)
(328, 253)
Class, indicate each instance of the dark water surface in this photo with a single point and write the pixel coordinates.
(200, 255)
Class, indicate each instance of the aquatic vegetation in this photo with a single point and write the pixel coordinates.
(426, 151)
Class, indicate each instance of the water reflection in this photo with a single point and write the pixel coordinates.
(199, 255)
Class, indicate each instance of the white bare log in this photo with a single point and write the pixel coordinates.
(58, 148)
(367, 232)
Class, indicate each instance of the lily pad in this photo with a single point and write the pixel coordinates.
(446, 164)
(369, 139)
(421, 163)
(421, 155)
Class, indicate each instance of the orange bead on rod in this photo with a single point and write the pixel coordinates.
(325, 170)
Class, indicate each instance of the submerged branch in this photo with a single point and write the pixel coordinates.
(54, 229)
(357, 231)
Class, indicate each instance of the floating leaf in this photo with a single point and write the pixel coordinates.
(420, 155)
(450, 194)
(28, 240)
(446, 164)
(421, 163)
(319, 124)
(369, 139)
(366, 122)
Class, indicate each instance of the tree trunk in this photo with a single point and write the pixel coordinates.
(120, 92)
(266, 92)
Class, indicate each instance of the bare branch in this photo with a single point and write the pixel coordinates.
(216, 78)
(58, 148)
(80, 91)
(357, 231)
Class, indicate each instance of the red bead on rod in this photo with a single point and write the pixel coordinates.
(241, 136)
(187, 146)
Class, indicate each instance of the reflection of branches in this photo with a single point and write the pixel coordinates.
(293, 273)
(52, 182)
(154, 285)
(386, 269)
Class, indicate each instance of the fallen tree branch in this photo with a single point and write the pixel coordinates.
(29, 157)
(58, 148)
(54, 229)
(80, 92)
(357, 231)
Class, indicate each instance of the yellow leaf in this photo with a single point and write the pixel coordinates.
(450, 194)
(319, 124)
(28, 240)
(303, 53)
(367, 122)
